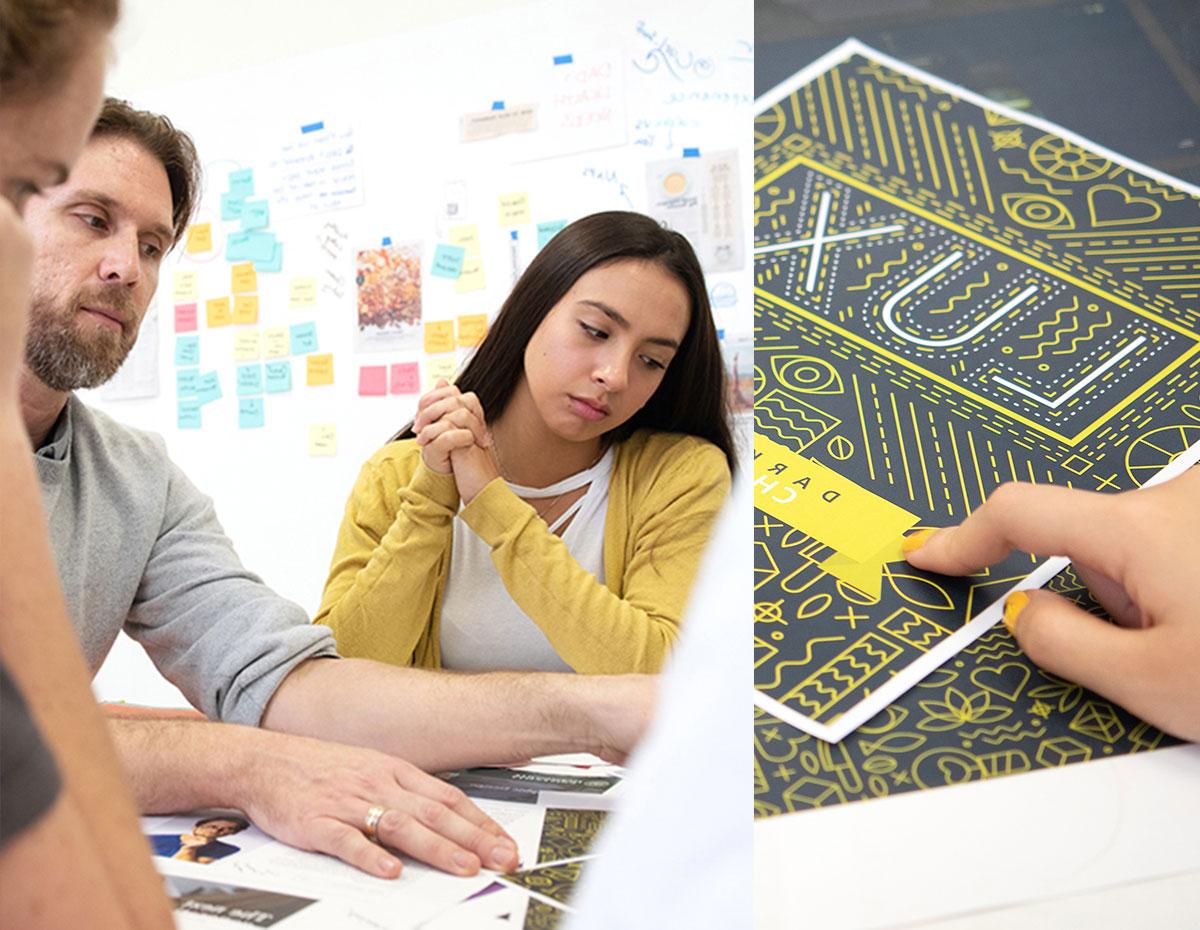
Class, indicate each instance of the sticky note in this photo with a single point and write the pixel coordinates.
(302, 292)
(319, 371)
(471, 278)
(439, 336)
(185, 285)
(514, 209)
(275, 342)
(245, 308)
(303, 338)
(241, 183)
(231, 206)
(447, 261)
(250, 412)
(249, 380)
(217, 312)
(322, 439)
(187, 382)
(406, 378)
(185, 318)
(188, 414)
(208, 388)
(199, 238)
(256, 214)
(243, 278)
(547, 231)
(246, 345)
(372, 380)
(440, 366)
(187, 350)
(472, 327)
(274, 263)
(278, 377)
(252, 246)
(466, 236)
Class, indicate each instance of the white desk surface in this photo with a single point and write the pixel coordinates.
(1108, 844)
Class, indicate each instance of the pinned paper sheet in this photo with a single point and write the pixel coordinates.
(217, 313)
(199, 238)
(447, 261)
(466, 236)
(249, 380)
(439, 336)
(187, 350)
(241, 182)
(302, 293)
(472, 327)
(187, 382)
(498, 121)
(185, 318)
(250, 412)
(185, 285)
(246, 345)
(405, 378)
(278, 377)
(322, 439)
(514, 209)
(471, 276)
(256, 214)
(439, 366)
(320, 370)
(275, 342)
(303, 338)
(243, 278)
(373, 381)
(245, 308)
(547, 231)
(188, 414)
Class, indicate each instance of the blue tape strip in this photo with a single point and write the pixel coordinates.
(563, 59)
(497, 104)
(691, 153)
(313, 127)
(387, 240)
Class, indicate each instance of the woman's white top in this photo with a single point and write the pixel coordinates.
(482, 628)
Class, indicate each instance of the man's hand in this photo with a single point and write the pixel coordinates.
(1137, 552)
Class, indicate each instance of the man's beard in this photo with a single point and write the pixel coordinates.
(63, 355)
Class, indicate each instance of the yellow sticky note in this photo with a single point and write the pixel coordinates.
(246, 345)
(185, 286)
(275, 342)
(821, 503)
(439, 336)
(199, 238)
(471, 277)
(472, 327)
(320, 370)
(466, 237)
(439, 366)
(514, 209)
(302, 292)
(322, 438)
(243, 278)
(216, 312)
(245, 308)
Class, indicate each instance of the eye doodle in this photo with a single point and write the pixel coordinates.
(1037, 211)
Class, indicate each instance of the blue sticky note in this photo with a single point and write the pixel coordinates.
(188, 414)
(249, 380)
(209, 388)
(448, 260)
(303, 338)
(547, 231)
(241, 183)
(256, 214)
(279, 377)
(252, 246)
(274, 263)
(250, 412)
(187, 350)
(231, 206)
(187, 382)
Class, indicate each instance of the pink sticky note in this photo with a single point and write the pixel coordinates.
(406, 378)
(372, 380)
(185, 318)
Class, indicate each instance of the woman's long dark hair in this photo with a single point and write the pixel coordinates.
(692, 396)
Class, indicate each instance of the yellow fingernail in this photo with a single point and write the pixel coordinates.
(916, 540)
(1013, 605)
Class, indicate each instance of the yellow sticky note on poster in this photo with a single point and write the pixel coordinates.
(216, 312)
(199, 238)
(245, 308)
(440, 366)
(514, 209)
(466, 237)
(322, 438)
(439, 336)
(275, 342)
(471, 276)
(243, 278)
(246, 345)
(185, 286)
(302, 293)
(472, 327)
(320, 370)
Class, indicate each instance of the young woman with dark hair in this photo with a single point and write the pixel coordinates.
(588, 444)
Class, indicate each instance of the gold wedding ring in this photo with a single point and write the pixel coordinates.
(371, 823)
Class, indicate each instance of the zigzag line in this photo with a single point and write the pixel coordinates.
(1086, 336)
(1015, 737)
(806, 417)
(992, 731)
(1071, 327)
(1152, 189)
(775, 204)
(792, 427)
(1042, 327)
(1001, 651)
(963, 296)
(1029, 178)
(894, 80)
(880, 274)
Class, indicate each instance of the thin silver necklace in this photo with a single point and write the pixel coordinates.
(541, 512)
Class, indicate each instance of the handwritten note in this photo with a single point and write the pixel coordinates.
(303, 338)
(274, 263)
(320, 370)
(208, 388)
(547, 231)
(231, 206)
(249, 380)
(275, 342)
(185, 285)
(241, 182)
(314, 172)
(250, 413)
(246, 345)
(245, 308)
(472, 327)
(243, 278)
(466, 236)
(187, 350)
(199, 238)
(187, 382)
(302, 293)
(322, 439)
(405, 378)
(217, 313)
(188, 414)
(471, 278)
(447, 261)
(439, 366)
(256, 214)
(278, 377)
(185, 318)
(439, 336)
(254, 246)
(514, 209)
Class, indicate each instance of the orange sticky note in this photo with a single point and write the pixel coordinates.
(244, 278)
(322, 438)
(245, 308)
(199, 237)
(216, 312)
(320, 370)
(472, 327)
(439, 336)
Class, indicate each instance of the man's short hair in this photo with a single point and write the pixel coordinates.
(37, 36)
(172, 147)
